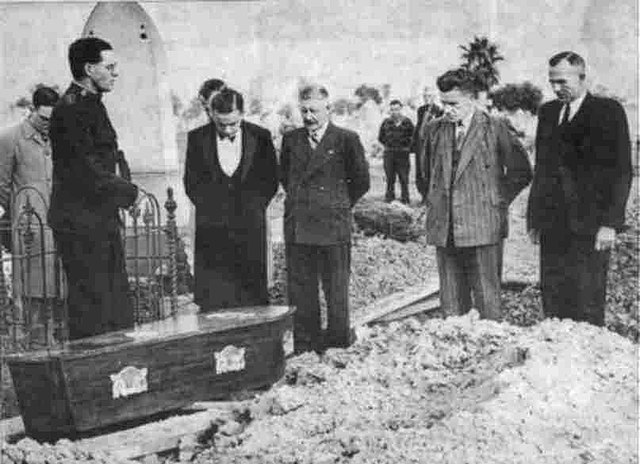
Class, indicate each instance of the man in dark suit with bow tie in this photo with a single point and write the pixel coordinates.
(324, 173)
(474, 168)
(230, 176)
(579, 191)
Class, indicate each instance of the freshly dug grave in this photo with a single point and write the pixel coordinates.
(379, 267)
(447, 391)
(382, 266)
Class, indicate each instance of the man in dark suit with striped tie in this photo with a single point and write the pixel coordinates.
(474, 167)
(324, 172)
(579, 191)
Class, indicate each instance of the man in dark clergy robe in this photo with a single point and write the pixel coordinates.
(230, 176)
(324, 173)
(579, 192)
(87, 193)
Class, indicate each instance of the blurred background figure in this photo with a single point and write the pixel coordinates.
(369, 118)
(425, 114)
(26, 172)
(208, 90)
(396, 134)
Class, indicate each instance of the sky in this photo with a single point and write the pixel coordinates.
(265, 47)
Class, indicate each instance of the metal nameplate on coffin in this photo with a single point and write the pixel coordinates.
(129, 381)
(230, 359)
(287, 342)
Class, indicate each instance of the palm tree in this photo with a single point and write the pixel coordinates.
(480, 58)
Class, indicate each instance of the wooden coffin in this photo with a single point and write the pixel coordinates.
(159, 366)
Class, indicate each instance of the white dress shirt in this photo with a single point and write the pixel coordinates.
(574, 106)
(229, 153)
(462, 127)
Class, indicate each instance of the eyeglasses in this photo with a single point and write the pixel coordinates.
(111, 67)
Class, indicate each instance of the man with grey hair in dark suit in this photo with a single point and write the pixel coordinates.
(324, 172)
(474, 167)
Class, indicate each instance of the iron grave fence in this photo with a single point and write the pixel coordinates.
(33, 311)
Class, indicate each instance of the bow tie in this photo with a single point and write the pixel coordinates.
(230, 138)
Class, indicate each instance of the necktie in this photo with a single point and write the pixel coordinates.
(314, 138)
(565, 115)
(459, 135)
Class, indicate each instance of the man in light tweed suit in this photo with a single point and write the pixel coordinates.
(474, 167)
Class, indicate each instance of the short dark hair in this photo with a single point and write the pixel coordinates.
(395, 102)
(456, 79)
(311, 90)
(227, 101)
(44, 96)
(571, 57)
(83, 51)
(208, 87)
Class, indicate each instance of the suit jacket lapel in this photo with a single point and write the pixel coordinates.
(248, 150)
(323, 151)
(471, 144)
(301, 154)
(582, 111)
(443, 141)
(556, 113)
(210, 146)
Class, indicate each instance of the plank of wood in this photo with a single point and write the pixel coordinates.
(396, 301)
(11, 428)
(155, 437)
(146, 439)
(431, 303)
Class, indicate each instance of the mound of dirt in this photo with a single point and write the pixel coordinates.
(451, 391)
(28, 451)
(391, 220)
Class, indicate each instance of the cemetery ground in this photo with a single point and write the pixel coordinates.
(427, 389)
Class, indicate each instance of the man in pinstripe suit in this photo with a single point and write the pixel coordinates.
(474, 167)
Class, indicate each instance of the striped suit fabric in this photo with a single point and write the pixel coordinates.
(468, 207)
